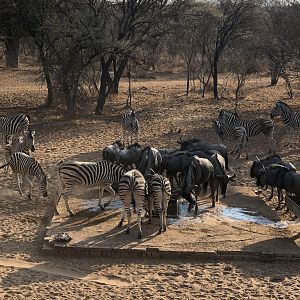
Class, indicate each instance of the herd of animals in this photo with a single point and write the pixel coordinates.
(145, 176)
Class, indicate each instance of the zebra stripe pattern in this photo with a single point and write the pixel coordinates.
(290, 118)
(159, 192)
(132, 187)
(253, 127)
(20, 144)
(16, 124)
(24, 167)
(87, 175)
(238, 134)
(131, 126)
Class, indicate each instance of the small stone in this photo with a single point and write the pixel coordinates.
(228, 268)
(277, 278)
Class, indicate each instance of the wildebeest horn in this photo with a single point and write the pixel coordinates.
(261, 163)
(231, 178)
(280, 166)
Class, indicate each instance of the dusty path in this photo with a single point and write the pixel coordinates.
(163, 111)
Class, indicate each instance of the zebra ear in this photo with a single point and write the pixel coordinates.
(32, 132)
(48, 176)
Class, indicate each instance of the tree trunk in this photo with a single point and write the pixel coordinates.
(275, 73)
(105, 86)
(46, 71)
(215, 78)
(118, 72)
(12, 52)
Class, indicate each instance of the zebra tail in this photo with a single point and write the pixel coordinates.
(4, 166)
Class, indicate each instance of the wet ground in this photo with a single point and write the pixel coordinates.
(235, 223)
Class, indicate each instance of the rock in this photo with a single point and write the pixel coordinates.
(277, 278)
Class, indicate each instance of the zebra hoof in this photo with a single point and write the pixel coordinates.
(165, 229)
(127, 231)
(159, 231)
(71, 214)
(140, 235)
(120, 224)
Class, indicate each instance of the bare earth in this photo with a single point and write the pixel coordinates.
(163, 111)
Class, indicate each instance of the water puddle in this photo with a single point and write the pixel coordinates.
(248, 215)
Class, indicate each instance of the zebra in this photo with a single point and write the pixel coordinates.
(253, 126)
(24, 167)
(20, 144)
(159, 193)
(235, 133)
(16, 124)
(290, 118)
(74, 175)
(132, 187)
(131, 126)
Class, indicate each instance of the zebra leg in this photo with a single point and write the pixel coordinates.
(66, 199)
(150, 209)
(161, 221)
(101, 190)
(139, 221)
(112, 197)
(19, 180)
(120, 224)
(30, 186)
(239, 150)
(128, 213)
(55, 205)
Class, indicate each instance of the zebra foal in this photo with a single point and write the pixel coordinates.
(16, 124)
(24, 167)
(131, 126)
(291, 119)
(74, 175)
(132, 188)
(253, 127)
(238, 134)
(158, 196)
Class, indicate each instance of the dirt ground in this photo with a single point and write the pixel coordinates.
(165, 115)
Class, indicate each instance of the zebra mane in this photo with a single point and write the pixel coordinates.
(229, 112)
(285, 105)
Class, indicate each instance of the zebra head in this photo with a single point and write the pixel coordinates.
(276, 111)
(281, 108)
(29, 139)
(218, 129)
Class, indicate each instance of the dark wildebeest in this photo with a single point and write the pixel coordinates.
(150, 160)
(130, 156)
(198, 144)
(110, 152)
(259, 164)
(200, 173)
(281, 177)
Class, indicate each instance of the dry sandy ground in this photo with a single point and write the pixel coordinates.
(163, 110)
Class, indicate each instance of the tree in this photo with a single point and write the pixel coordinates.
(235, 23)
(130, 24)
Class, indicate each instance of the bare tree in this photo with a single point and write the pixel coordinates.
(235, 23)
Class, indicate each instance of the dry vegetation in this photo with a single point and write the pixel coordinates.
(165, 115)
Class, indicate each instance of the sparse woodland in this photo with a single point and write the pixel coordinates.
(84, 47)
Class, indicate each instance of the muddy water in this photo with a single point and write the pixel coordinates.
(233, 213)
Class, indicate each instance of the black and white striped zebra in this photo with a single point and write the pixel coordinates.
(253, 127)
(131, 126)
(14, 125)
(132, 188)
(158, 196)
(235, 133)
(100, 174)
(20, 144)
(290, 118)
(24, 167)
